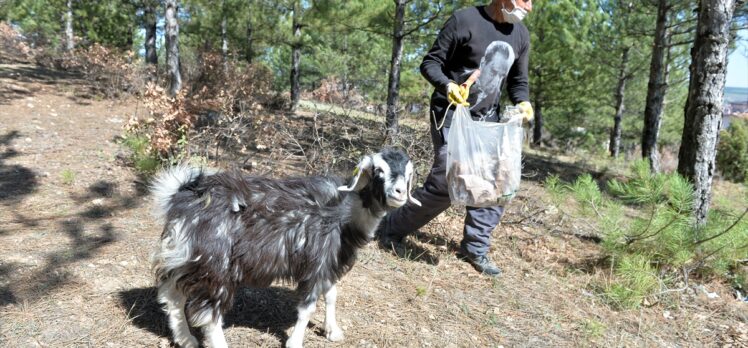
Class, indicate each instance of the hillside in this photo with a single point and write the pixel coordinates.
(76, 235)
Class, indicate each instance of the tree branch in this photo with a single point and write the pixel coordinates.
(723, 232)
(366, 29)
(680, 43)
(672, 221)
(426, 22)
(631, 239)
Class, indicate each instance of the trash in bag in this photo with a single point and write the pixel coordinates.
(484, 159)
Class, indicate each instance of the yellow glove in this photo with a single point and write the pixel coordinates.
(457, 94)
(527, 113)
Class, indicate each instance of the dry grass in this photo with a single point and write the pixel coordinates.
(74, 268)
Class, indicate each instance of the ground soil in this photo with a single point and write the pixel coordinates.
(76, 235)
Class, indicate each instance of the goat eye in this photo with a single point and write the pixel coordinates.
(378, 171)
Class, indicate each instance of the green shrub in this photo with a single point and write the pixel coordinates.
(68, 177)
(732, 151)
(592, 328)
(636, 279)
(143, 158)
(648, 233)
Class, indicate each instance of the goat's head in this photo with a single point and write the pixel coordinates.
(388, 174)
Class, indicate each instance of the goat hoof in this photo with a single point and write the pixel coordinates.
(291, 344)
(334, 334)
(190, 342)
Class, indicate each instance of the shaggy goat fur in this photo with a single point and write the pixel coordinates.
(225, 230)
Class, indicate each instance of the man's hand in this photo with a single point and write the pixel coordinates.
(528, 114)
(457, 94)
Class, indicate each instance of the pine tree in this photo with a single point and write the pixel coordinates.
(69, 39)
(393, 87)
(646, 228)
(224, 38)
(296, 46)
(617, 42)
(422, 14)
(562, 52)
(149, 22)
(704, 107)
(172, 46)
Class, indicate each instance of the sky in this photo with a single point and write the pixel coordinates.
(737, 63)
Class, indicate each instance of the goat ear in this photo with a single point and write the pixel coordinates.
(410, 186)
(361, 175)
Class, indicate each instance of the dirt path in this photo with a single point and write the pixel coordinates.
(71, 216)
(76, 234)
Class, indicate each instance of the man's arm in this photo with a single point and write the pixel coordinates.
(518, 84)
(439, 54)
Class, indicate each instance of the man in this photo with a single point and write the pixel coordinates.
(491, 39)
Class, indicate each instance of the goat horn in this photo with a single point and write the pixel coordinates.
(361, 169)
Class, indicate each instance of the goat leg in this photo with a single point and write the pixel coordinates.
(305, 310)
(213, 332)
(332, 330)
(174, 302)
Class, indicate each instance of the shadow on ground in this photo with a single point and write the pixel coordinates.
(6, 294)
(539, 168)
(16, 181)
(24, 80)
(83, 233)
(271, 310)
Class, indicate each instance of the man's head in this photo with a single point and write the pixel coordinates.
(511, 11)
(510, 4)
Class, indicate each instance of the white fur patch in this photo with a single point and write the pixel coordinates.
(214, 334)
(237, 204)
(175, 248)
(363, 219)
(167, 183)
(202, 317)
(173, 302)
(223, 229)
(297, 336)
(380, 163)
(332, 330)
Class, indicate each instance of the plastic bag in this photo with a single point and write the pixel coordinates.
(484, 159)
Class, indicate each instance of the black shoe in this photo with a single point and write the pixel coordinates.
(482, 264)
(391, 243)
(397, 248)
(384, 238)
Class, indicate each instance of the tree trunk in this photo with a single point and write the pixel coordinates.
(250, 32)
(537, 128)
(249, 43)
(538, 91)
(129, 41)
(656, 89)
(393, 86)
(703, 113)
(151, 54)
(344, 69)
(69, 39)
(295, 58)
(224, 40)
(615, 133)
(172, 47)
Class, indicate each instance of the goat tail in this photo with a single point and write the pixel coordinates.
(175, 247)
(167, 183)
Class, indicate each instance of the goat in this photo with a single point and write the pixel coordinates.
(224, 230)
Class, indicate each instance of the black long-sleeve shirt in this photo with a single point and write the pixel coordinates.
(471, 40)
